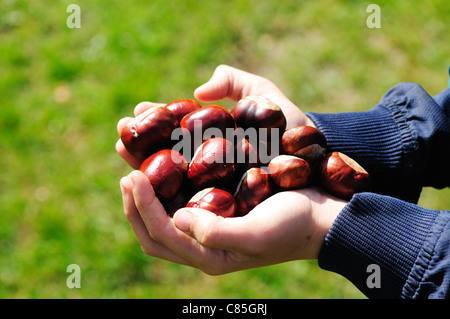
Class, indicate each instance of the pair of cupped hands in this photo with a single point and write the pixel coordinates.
(290, 225)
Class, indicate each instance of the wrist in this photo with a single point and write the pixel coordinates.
(325, 210)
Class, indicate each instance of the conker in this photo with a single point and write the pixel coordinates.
(343, 176)
(212, 164)
(214, 117)
(254, 187)
(149, 132)
(259, 112)
(290, 172)
(247, 155)
(183, 107)
(165, 170)
(218, 201)
(306, 142)
(179, 200)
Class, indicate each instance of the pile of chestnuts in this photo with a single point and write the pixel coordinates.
(230, 161)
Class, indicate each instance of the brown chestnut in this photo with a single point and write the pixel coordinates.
(290, 172)
(165, 170)
(343, 176)
(206, 122)
(179, 200)
(254, 187)
(261, 113)
(218, 201)
(252, 150)
(306, 142)
(247, 155)
(183, 107)
(149, 132)
(212, 164)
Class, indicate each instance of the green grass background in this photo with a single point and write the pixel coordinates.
(63, 90)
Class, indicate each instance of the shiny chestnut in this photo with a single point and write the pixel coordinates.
(259, 112)
(212, 164)
(254, 187)
(179, 200)
(218, 201)
(343, 176)
(183, 107)
(166, 170)
(246, 155)
(149, 132)
(290, 172)
(206, 122)
(306, 142)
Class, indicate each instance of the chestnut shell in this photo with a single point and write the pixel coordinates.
(211, 117)
(179, 200)
(261, 113)
(180, 108)
(166, 170)
(306, 142)
(212, 164)
(149, 132)
(342, 176)
(290, 172)
(254, 187)
(216, 200)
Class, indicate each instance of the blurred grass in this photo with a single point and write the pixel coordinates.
(63, 90)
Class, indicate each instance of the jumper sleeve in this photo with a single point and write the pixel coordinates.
(404, 143)
(408, 243)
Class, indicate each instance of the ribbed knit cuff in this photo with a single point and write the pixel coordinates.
(376, 230)
(443, 100)
(376, 141)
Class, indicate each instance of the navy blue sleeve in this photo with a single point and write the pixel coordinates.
(404, 143)
(409, 244)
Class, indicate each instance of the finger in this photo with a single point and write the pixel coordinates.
(150, 208)
(148, 245)
(143, 106)
(232, 83)
(130, 159)
(122, 123)
(229, 82)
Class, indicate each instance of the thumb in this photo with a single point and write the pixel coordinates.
(211, 230)
(229, 82)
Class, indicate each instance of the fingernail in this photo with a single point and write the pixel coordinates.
(122, 187)
(183, 219)
(200, 87)
(132, 177)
